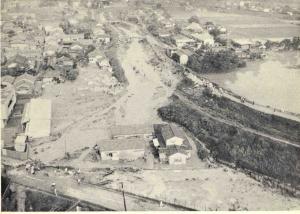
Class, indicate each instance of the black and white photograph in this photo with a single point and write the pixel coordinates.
(150, 105)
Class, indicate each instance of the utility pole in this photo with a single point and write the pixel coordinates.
(124, 201)
(65, 147)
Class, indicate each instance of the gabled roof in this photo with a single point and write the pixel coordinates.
(166, 131)
(121, 144)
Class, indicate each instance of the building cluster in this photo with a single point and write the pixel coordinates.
(259, 6)
(169, 144)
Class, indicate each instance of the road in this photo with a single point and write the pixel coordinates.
(109, 199)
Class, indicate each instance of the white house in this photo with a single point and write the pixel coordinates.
(178, 158)
(181, 41)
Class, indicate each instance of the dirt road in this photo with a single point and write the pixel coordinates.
(106, 198)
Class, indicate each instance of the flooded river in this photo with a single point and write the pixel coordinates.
(274, 81)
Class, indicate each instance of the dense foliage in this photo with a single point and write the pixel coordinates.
(214, 62)
(236, 145)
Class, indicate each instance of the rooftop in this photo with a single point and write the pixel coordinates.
(167, 131)
(131, 130)
(6, 90)
(121, 144)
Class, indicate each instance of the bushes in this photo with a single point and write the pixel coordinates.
(236, 145)
(118, 71)
(214, 62)
(71, 74)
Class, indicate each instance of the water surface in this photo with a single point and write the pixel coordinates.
(274, 81)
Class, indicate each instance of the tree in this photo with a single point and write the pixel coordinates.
(195, 19)
(71, 74)
(153, 29)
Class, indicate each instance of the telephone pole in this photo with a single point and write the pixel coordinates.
(124, 201)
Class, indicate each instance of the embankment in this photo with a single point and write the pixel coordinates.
(233, 143)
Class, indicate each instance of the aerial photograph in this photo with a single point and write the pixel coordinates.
(150, 105)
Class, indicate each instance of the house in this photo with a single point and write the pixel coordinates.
(180, 56)
(204, 38)
(8, 136)
(20, 142)
(182, 41)
(122, 149)
(64, 63)
(245, 44)
(24, 84)
(102, 39)
(168, 24)
(8, 101)
(131, 131)
(8, 79)
(174, 147)
(163, 33)
(36, 118)
(194, 27)
(50, 76)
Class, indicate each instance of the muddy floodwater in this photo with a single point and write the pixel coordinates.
(274, 81)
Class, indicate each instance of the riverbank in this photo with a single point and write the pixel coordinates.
(250, 139)
(272, 82)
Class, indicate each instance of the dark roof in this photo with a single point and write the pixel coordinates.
(164, 132)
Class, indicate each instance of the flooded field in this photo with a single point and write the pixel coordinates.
(274, 81)
(240, 25)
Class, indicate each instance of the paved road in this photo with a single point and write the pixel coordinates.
(86, 192)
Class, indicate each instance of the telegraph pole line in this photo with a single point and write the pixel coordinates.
(123, 193)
